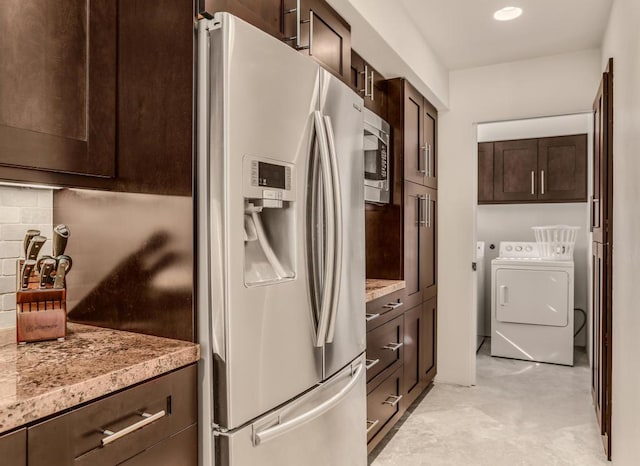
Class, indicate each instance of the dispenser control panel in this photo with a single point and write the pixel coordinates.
(270, 175)
(272, 181)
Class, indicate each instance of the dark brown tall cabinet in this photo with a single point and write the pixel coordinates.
(602, 267)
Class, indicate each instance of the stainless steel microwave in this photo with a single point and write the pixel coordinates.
(377, 170)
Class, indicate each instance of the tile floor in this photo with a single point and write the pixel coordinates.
(518, 414)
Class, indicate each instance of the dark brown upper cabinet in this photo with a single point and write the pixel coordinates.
(58, 74)
(515, 170)
(533, 170)
(314, 28)
(562, 164)
(370, 84)
(485, 172)
(94, 97)
(415, 123)
(267, 15)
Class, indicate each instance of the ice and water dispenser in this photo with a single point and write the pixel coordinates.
(269, 221)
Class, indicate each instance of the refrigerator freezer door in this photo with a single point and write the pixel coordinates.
(325, 427)
(262, 98)
(344, 121)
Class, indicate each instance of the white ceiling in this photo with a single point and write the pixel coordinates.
(464, 34)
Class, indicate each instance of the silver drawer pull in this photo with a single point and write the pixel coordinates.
(369, 363)
(371, 425)
(395, 400)
(393, 305)
(393, 346)
(370, 317)
(148, 419)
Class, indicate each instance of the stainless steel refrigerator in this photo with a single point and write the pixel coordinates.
(280, 254)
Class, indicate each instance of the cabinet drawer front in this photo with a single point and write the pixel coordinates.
(13, 448)
(384, 309)
(385, 345)
(383, 403)
(78, 436)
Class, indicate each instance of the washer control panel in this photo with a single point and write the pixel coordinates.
(518, 249)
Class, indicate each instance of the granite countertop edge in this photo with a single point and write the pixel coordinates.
(377, 288)
(20, 413)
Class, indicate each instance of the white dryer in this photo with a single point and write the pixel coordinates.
(531, 305)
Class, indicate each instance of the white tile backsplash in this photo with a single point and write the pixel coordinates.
(20, 210)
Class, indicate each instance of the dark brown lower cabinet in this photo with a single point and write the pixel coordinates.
(179, 449)
(428, 342)
(383, 407)
(13, 448)
(80, 437)
(413, 340)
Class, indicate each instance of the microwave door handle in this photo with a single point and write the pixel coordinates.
(327, 288)
(337, 199)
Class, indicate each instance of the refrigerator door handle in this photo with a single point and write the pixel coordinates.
(263, 436)
(329, 205)
(337, 199)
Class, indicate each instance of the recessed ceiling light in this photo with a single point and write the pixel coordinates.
(507, 13)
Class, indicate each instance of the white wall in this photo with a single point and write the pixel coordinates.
(621, 43)
(384, 34)
(21, 209)
(545, 86)
(513, 222)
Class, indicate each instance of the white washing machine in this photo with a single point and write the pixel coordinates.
(531, 305)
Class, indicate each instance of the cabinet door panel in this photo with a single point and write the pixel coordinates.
(179, 449)
(13, 448)
(562, 162)
(58, 85)
(485, 172)
(414, 154)
(326, 37)
(515, 170)
(264, 14)
(431, 144)
(413, 229)
(428, 345)
(412, 349)
(428, 244)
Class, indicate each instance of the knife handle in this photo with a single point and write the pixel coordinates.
(35, 245)
(25, 274)
(48, 265)
(64, 264)
(61, 234)
(27, 240)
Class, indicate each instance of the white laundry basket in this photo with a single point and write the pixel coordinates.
(556, 241)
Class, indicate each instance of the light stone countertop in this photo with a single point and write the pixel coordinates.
(41, 379)
(377, 288)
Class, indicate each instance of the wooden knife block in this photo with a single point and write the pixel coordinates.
(41, 313)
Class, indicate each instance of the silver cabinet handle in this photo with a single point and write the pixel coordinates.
(428, 209)
(421, 220)
(147, 419)
(395, 399)
(541, 181)
(369, 363)
(533, 182)
(299, 22)
(372, 82)
(393, 346)
(371, 425)
(422, 160)
(370, 317)
(366, 80)
(393, 306)
(429, 174)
